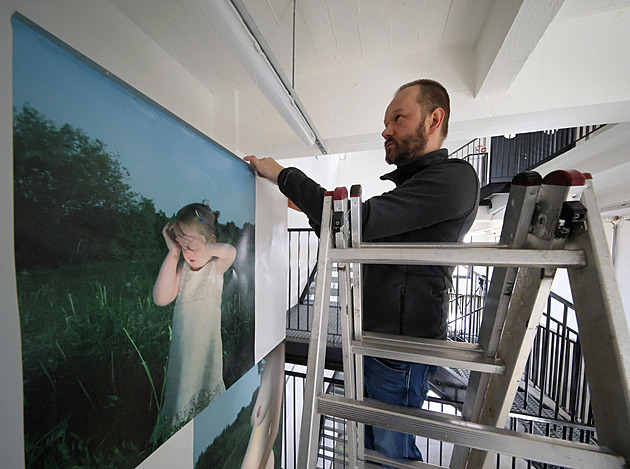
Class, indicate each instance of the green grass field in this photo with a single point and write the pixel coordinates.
(94, 349)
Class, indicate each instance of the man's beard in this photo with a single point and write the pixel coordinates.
(407, 148)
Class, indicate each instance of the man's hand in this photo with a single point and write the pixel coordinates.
(265, 167)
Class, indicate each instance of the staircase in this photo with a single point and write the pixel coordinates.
(498, 159)
(302, 274)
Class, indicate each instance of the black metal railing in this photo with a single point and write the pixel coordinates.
(476, 153)
(303, 246)
(467, 298)
(554, 383)
(498, 159)
(555, 375)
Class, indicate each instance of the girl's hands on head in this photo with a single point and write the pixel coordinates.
(169, 236)
(166, 285)
(188, 242)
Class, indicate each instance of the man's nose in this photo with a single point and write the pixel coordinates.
(387, 133)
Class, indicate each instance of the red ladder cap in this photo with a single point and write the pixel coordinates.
(565, 177)
(328, 194)
(340, 193)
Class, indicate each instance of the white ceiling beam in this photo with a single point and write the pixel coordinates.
(511, 33)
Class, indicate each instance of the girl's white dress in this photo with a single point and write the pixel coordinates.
(194, 376)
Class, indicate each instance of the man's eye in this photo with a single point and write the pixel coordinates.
(398, 116)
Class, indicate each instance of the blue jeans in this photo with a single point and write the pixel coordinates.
(399, 383)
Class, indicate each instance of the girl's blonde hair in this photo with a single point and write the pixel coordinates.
(201, 216)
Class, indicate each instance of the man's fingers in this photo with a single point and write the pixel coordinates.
(252, 160)
(267, 167)
(255, 163)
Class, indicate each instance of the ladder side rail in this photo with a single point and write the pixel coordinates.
(356, 231)
(600, 315)
(527, 304)
(342, 239)
(519, 212)
(348, 358)
(516, 221)
(309, 429)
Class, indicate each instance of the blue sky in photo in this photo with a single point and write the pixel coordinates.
(211, 422)
(168, 163)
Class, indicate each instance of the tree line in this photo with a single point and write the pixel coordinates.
(72, 201)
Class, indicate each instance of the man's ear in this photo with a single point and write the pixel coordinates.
(435, 121)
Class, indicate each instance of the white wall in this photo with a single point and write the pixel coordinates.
(271, 268)
(621, 257)
(99, 31)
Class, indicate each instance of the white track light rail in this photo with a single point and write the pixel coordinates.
(255, 56)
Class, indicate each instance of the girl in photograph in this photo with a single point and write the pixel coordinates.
(265, 419)
(194, 376)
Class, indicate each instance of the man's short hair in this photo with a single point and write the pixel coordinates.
(432, 95)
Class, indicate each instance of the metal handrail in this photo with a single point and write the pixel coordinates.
(498, 159)
(476, 153)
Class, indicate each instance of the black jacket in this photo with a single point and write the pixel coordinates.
(435, 200)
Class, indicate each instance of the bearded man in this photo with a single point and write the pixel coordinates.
(435, 200)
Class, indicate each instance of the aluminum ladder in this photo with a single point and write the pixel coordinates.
(549, 223)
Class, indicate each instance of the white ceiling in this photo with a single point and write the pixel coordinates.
(510, 65)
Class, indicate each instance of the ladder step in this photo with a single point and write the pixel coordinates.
(455, 430)
(460, 253)
(429, 351)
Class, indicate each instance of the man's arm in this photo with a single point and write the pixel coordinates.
(305, 193)
(438, 194)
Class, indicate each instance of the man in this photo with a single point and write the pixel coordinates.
(435, 200)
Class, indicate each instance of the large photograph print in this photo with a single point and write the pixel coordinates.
(242, 430)
(134, 252)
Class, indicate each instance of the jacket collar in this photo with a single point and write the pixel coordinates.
(404, 172)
